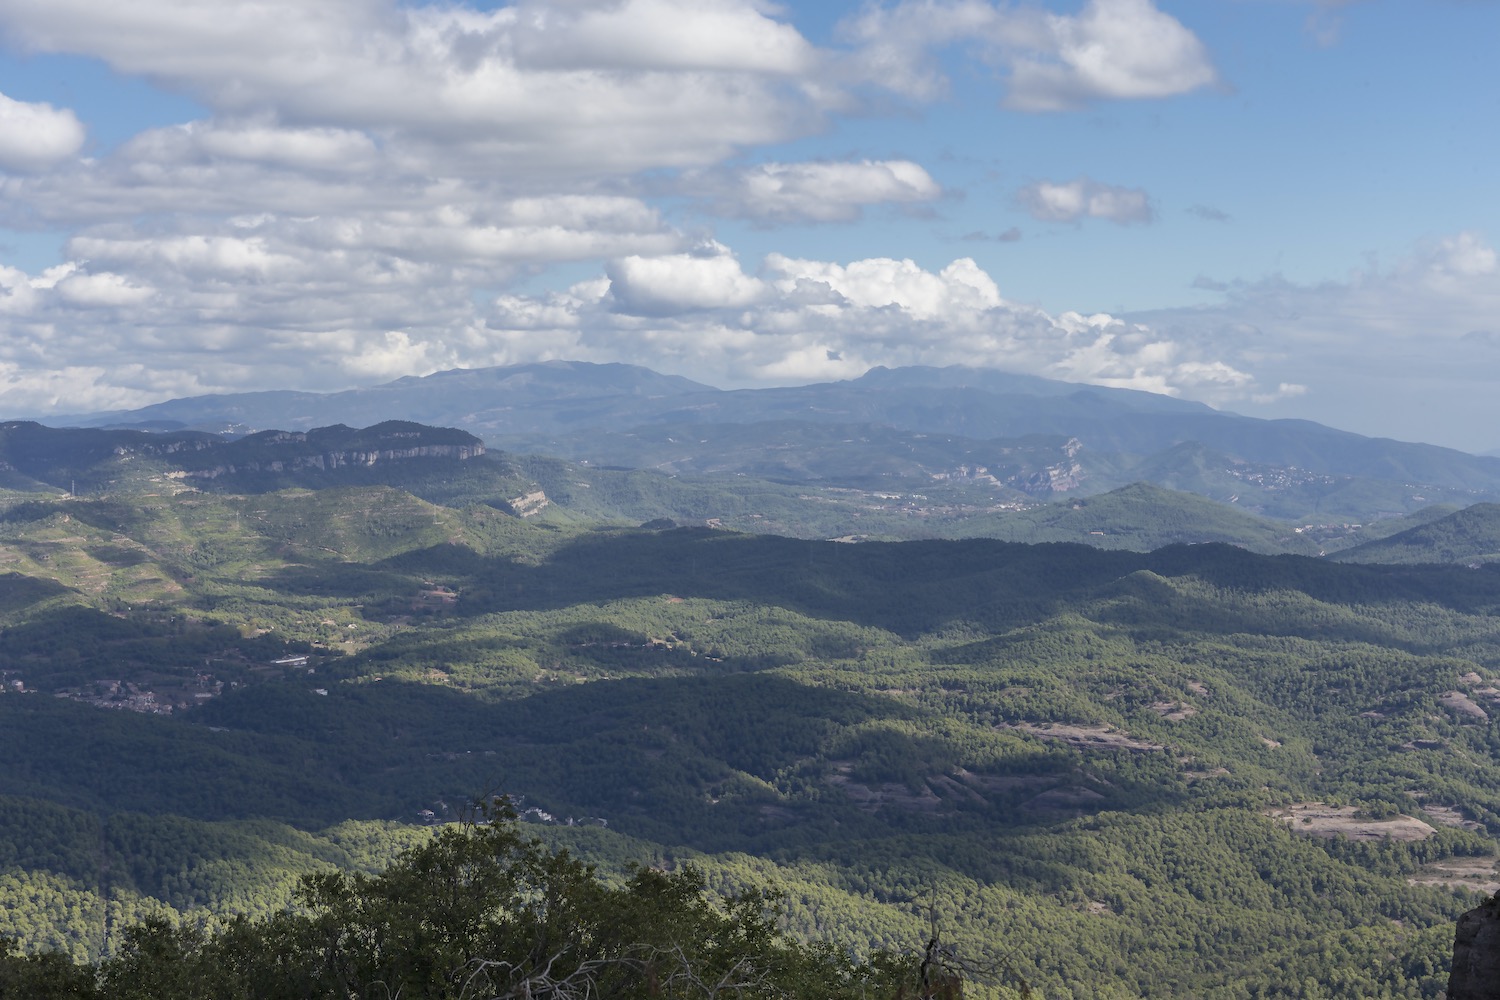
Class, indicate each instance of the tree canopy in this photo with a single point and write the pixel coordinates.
(483, 912)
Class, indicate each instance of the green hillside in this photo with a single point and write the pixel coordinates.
(799, 479)
(1251, 775)
(1469, 536)
(1141, 517)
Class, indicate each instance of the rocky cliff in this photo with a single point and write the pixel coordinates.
(1476, 954)
(325, 461)
(69, 457)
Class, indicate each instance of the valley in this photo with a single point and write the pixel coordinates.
(1131, 743)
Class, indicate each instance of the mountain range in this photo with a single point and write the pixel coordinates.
(1173, 769)
(996, 436)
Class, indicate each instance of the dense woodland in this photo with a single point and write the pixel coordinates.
(482, 911)
(229, 718)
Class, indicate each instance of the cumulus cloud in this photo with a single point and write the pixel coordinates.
(708, 278)
(196, 257)
(141, 320)
(798, 319)
(33, 136)
(134, 318)
(895, 46)
(656, 34)
(817, 192)
(304, 148)
(529, 231)
(101, 289)
(74, 388)
(961, 287)
(251, 312)
(585, 87)
(295, 184)
(1110, 50)
(1465, 255)
(1114, 49)
(373, 179)
(1084, 198)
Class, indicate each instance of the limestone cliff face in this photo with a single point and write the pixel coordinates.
(337, 459)
(72, 455)
(1476, 954)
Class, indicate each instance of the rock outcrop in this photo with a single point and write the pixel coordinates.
(324, 449)
(335, 460)
(1476, 954)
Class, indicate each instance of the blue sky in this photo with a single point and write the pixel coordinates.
(1279, 207)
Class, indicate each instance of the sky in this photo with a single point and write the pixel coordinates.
(1283, 208)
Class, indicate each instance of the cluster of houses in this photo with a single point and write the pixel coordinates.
(161, 700)
(162, 696)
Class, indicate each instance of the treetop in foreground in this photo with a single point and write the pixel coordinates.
(482, 912)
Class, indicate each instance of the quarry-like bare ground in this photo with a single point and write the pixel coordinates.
(1477, 874)
(1318, 819)
(1449, 816)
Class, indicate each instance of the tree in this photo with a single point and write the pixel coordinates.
(49, 976)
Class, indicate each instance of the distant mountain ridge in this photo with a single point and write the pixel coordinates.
(459, 397)
(903, 427)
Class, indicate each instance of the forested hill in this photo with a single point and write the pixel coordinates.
(1469, 536)
(1197, 772)
(453, 468)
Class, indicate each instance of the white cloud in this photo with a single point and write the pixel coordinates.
(713, 35)
(806, 319)
(894, 46)
(1111, 50)
(304, 148)
(882, 282)
(1085, 198)
(529, 231)
(1465, 255)
(817, 192)
(101, 289)
(586, 88)
(579, 88)
(1114, 49)
(33, 136)
(81, 388)
(554, 311)
(199, 314)
(17, 290)
(192, 256)
(709, 278)
(374, 178)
